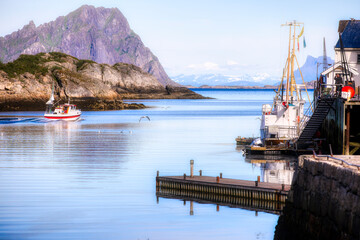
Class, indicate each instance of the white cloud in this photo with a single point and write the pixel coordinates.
(205, 66)
(232, 63)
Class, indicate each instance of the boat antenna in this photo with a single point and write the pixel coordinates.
(325, 63)
(344, 63)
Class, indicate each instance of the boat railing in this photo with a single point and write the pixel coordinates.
(281, 131)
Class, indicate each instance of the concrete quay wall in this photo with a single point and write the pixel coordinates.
(324, 201)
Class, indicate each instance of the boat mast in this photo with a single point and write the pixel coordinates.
(292, 80)
(287, 77)
(290, 63)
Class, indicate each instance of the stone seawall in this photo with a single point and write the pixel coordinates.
(324, 201)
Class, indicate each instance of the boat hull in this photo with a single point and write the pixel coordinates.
(64, 117)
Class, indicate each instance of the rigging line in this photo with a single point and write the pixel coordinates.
(304, 83)
(281, 88)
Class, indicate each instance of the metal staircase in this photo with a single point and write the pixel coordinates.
(312, 121)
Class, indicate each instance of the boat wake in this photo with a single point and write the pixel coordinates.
(14, 120)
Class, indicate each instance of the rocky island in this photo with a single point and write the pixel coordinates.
(26, 83)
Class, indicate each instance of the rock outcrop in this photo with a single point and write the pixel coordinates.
(324, 201)
(99, 34)
(26, 83)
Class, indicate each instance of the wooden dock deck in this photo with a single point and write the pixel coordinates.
(227, 187)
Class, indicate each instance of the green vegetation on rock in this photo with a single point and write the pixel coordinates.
(81, 63)
(33, 64)
(25, 63)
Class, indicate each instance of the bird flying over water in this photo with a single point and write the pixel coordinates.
(144, 117)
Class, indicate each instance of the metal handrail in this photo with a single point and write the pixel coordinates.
(338, 159)
(319, 94)
(307, 115)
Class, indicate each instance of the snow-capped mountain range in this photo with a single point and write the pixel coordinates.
(308, 70)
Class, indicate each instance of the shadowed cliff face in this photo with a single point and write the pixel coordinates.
(99, 34)
(26, 83)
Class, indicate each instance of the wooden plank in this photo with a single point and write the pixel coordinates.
(227, 181)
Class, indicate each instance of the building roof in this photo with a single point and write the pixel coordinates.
(338, 65)
(350, 33)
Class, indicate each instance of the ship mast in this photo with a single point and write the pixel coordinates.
(290, 63)
(290, 86)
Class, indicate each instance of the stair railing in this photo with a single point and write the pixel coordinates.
(306, 117)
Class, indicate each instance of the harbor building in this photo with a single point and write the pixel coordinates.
(350, 35)
(340, 128)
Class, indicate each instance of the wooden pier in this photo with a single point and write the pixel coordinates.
(254, 190)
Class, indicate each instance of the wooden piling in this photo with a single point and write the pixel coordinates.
(191, 208)
(347, 131)
(191, 168)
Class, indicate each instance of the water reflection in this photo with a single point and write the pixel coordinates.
(85, 149)
(274, 168)
(220, 200)
(94, 179)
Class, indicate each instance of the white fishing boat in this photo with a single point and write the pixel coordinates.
(280, 123)
(67, 111)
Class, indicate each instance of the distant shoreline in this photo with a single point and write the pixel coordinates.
(270, 87)
(232, 87)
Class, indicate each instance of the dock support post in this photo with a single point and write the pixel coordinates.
(331, 152)
(191, 208)
(191, 168)
(347, 131)
(157, 181)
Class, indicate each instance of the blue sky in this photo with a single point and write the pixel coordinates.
(207, 36)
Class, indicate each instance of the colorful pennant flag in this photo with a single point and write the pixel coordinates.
(302, 32)
(298, 45)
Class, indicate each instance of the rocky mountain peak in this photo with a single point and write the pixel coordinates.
(31, 25)
(99, 34)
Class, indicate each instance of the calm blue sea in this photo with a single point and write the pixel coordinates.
(95, 179)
